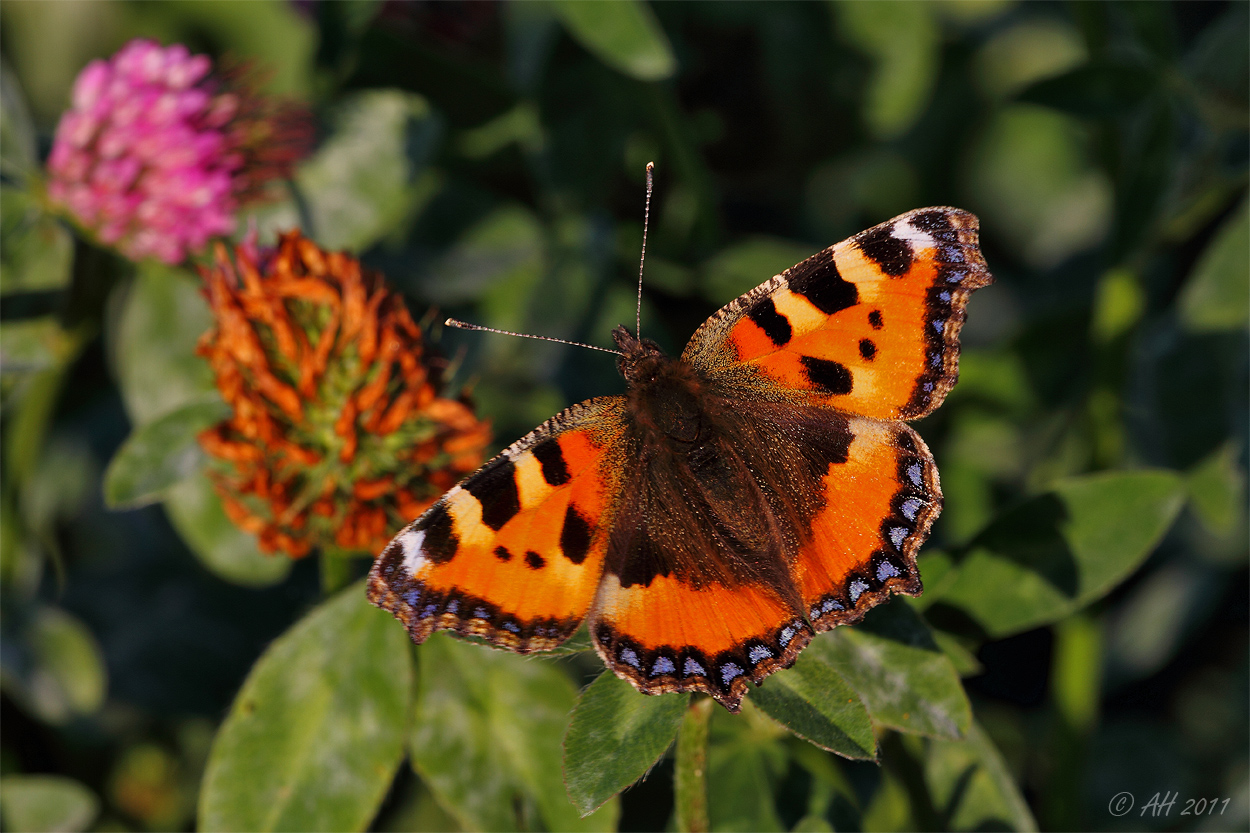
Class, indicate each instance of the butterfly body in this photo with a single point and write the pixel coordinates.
(737, 499)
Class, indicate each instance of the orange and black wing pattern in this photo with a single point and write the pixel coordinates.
(869, 326)
(513, 554)
(670, 635)
(877, 507)
(736, 501)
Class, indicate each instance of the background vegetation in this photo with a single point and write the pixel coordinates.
(1087, 580)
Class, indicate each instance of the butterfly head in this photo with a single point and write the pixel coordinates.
(641, 358)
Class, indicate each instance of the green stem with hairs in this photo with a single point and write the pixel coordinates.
(690, 780)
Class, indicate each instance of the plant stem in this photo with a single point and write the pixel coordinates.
(690, 780)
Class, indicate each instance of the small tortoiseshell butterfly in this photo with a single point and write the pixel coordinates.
(758, 489)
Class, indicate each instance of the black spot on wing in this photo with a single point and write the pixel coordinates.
(575, 536)
(937, 223)
(817, 280)
(775, 325)
(534, 561)
(890, 253)
(495, 488)
(502, 554)
(551, 458)
(829, 376)
(440, 541)
(867, 350)
(875, 319)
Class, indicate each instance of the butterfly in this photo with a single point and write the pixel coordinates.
(758, 489)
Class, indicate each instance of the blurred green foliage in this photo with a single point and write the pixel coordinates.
(1084, 627)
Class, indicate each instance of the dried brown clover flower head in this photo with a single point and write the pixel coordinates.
(338, 435)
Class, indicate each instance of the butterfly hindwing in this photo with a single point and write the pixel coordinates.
(698, 591)
(869, 326)
(670, 636)
(514, 553)
(877, 509)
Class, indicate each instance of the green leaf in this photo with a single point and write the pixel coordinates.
(812, 700)
(624, 35)
(1217, 294)
(903, 40)
(506, 247)
(486, 738)
(62, 674)
(972, 787)
(367, 179)
(893, 662)
(18, 142)
(746, 760)
(617, 734)
(162, 315)
(1030, 176)
(960, 654)
(46, 803)
(1016, 56)
(36, 251)
(1119, 302)
(315, 736)
(152, 343)
(160, 454)
(279, 37)
(195, 510)
(29, 409)
(1062, 550)
(30, 346)
(744, 266)
(1217, 490)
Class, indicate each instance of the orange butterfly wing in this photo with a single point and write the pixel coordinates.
(670, 636)
(878, 508)
(513, 554)
(869, 326)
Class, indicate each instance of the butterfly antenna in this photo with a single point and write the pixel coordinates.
(462, 325)
(646, 217)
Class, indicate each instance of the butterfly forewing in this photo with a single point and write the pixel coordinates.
(515, 552)
(869, 325)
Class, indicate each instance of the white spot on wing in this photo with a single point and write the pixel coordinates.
(412, 541)
(915, 237)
